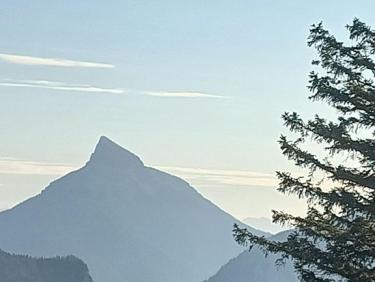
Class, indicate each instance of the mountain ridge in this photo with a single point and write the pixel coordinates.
(252, 265)
(116, 213)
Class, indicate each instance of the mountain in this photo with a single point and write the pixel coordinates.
(21, 268)
(253, 266)
(127, 221)
(264, 224)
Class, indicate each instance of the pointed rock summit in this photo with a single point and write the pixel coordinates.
(111, 155)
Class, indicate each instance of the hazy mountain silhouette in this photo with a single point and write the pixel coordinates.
(21, 268)
(253, 266)
(264, 224)
(128, 222)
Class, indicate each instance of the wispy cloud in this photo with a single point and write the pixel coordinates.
(55, 85)
(213, 177)
(184, 94)
(19, 166)
(201, 177)
(55, 62)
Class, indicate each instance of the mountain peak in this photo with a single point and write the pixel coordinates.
(108, 153)
(105, 142)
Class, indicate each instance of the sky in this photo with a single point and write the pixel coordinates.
(195, 88)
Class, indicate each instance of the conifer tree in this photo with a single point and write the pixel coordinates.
(335, 241)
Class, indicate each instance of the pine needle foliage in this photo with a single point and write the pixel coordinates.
(335, 241)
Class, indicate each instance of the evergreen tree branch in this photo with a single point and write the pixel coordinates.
(348, 176)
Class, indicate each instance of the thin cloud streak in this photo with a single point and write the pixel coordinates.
(62, 86)
(201, 177)
(55, 85)
(26, 167)
(55, 62)
(184, 94)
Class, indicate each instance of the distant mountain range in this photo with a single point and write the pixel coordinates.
(127, 221)
(21, 268)
(264, 223)
(252, 266)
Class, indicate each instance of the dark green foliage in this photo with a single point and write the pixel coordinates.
(21, 268)
(335, 241)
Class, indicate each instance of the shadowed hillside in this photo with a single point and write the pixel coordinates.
(253, 266)
(21, 268)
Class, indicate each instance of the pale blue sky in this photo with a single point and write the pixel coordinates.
(253, 53)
